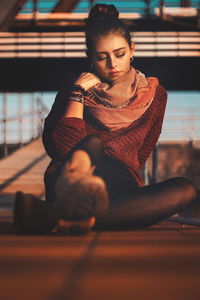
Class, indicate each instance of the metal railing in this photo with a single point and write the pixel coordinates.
(22, 118)
(181, 124)
(20, 121)
(72, 44)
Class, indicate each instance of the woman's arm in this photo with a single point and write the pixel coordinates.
(74, 110)
(61, 133)
(64, 126)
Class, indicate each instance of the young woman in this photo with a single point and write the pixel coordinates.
(100, 133)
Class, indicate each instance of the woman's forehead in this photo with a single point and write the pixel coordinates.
(110, 42)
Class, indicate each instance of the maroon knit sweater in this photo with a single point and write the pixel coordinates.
(130, 146)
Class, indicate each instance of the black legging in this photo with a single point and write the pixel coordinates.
(131, 206)
(120, 183)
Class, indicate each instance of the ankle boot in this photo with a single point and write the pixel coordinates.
(33, 215)
(80, 194)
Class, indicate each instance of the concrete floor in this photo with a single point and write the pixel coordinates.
(161, 262)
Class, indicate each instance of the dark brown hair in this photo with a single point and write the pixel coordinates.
(104, 19)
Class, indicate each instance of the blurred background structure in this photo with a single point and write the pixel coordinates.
(42, 49)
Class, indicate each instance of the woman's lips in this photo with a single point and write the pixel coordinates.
(114, 73)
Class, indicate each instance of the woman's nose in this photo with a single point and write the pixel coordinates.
(111, 62)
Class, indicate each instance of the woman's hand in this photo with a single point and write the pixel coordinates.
(75, 107)
(86, 81)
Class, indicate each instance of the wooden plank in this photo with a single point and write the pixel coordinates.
(161, 262)
(24, 170)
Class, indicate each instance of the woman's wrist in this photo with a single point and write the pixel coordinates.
(79, 88)
(75, 105)
(77, 95)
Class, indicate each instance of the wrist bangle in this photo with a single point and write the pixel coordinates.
(76, 100)
(76, 96)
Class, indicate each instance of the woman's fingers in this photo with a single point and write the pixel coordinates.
(87, 80)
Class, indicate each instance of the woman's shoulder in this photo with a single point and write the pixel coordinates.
(159, 102)
(161, 93)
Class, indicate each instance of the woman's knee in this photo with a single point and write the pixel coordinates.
(186, 188)
(90, 142)
(93, 146)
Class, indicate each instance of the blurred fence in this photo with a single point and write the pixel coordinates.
(181, 124)
(20, 121)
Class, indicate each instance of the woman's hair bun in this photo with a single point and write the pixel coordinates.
(104, 19)
(101, 12)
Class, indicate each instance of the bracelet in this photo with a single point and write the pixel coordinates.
(76, 99)
(76, 96)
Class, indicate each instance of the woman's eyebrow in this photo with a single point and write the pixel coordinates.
(112, 51)
(119, 49)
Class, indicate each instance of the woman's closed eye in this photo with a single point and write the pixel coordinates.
(104, 57)
(120, 54)
(101, 57)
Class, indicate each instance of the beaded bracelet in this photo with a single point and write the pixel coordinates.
(76, 96)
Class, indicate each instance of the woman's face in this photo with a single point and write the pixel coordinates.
(111, 56)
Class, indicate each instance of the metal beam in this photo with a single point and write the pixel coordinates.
(72, 44)
(65, 6)
(8, 11)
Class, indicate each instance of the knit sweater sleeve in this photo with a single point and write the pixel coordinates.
(155, 130)
(60, 133)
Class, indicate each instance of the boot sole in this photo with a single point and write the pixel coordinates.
(75, 227)
(83, 199)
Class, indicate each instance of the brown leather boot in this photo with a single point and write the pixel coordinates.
(80, 194)
(33, 215)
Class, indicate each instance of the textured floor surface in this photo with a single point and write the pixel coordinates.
(161, 262)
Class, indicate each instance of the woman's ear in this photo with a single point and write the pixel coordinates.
(132, 48)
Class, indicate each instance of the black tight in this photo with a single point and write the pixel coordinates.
(93, 146)
(120, 183)
(131, 206)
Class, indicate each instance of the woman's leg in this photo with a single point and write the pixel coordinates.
(150, 204)
(84, 156)
(78, 193)
(119, 181)
(92, 146)
(135, 207)
(32, 215)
